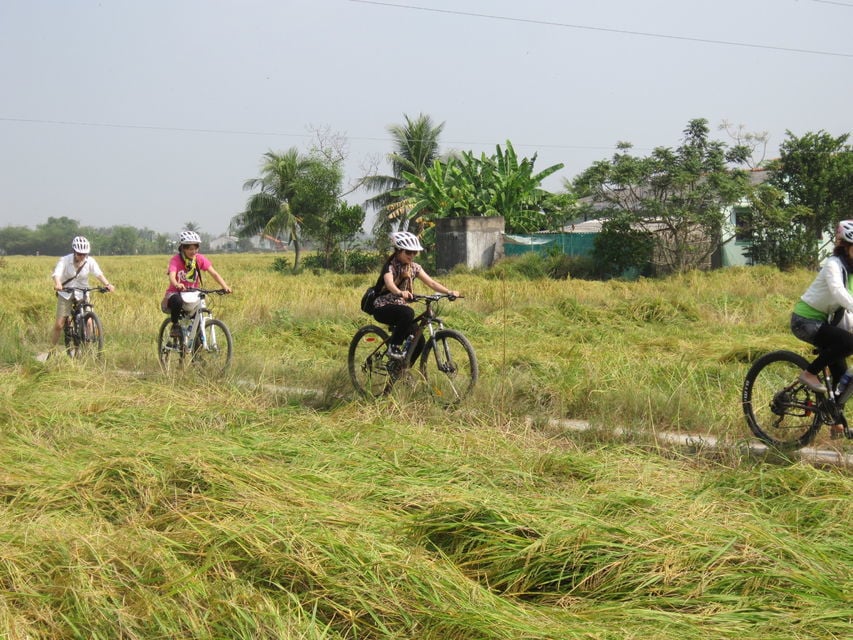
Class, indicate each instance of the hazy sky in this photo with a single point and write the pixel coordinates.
(153, 113)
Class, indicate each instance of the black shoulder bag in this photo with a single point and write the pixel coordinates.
(370, 294)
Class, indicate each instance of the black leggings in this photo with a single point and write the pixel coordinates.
(175, 304)
(835, 345)
(400, 318)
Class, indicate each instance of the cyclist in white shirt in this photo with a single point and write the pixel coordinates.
(811, 320)
(73, 271)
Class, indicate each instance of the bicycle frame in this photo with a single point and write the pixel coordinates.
(200, 336)
(195, 329)
(75, 330)
(426, 319)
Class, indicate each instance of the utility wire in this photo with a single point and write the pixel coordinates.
(644, 34)
(274, 133)
(839, 4)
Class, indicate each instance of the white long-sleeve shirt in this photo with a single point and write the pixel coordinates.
(827, 292)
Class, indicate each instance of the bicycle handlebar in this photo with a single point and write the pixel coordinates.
(219, 292)
(85, 289)
(435, 297)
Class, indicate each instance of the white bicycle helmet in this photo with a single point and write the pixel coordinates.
(189, 237)
(845, 230)
(80, 245)
(406, 240)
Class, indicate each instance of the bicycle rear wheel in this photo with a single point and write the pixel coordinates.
(781, 411)
(449, 366)
(367, 364)
(213, 351)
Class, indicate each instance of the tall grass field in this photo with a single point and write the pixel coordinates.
(274, 503)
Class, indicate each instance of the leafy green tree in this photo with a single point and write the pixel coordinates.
(273, 210)
(337, 225)
(779, 232)
(122, 240)
(56, 234)
(621, 248)
(499, 185)
(816, 171)
(678, 195)
(18, 241)
(416, 147)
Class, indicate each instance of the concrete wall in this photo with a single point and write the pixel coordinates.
(475, 242)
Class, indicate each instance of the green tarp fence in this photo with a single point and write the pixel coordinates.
(572, 244)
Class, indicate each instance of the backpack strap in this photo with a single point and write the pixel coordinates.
(77, 273)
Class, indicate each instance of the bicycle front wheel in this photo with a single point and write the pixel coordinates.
(71, 338)
(449, 366)
(170, 351)
(92, 336)
(213, 348)
(781, 411)
(367, 364)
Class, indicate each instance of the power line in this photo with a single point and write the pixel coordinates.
(839, 4)
(644, 34)
(111, 125)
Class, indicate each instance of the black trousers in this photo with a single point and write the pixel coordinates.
(175, 304)
(835, 345)
(398, 316)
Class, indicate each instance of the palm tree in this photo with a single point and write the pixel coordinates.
(269, 212)
(415, 149)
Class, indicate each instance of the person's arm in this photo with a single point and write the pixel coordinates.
(213, 272)
(388, 280)
(57, 275)
(106, 282)
(434, 285)
(835, 283)
(173, 279)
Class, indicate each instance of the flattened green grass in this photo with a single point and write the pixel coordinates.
(133, 505)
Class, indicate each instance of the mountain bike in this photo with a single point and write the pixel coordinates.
(84, 334)
(784, 413)
(448, 364)
(205, 342)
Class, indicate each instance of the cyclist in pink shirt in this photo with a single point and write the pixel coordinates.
(184, 271)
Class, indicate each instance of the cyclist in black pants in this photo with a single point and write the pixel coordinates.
(391, 306)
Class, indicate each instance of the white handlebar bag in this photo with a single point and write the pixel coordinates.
(191, 300)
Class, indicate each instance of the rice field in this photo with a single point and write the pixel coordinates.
(273, 503)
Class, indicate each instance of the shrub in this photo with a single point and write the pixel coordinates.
(354, 261)
(281, 265)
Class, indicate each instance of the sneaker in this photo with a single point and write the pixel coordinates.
(176, 331)
(812, 382)
(396, 351)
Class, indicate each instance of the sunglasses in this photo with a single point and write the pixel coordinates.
(409, 252)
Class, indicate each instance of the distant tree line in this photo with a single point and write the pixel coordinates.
(54, 237)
